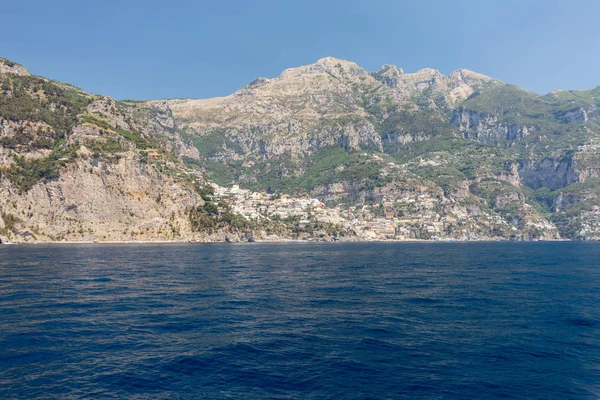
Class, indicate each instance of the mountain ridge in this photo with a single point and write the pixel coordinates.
(359, 155)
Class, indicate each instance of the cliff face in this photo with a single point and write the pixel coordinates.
(388, 154)
(331, 102)
(79, 167)
(97, 199)
(278, 134)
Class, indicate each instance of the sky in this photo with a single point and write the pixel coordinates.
(147, 49)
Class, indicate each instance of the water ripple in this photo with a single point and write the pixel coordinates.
(260, 321)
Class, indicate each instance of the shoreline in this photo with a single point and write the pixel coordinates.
(286, 241)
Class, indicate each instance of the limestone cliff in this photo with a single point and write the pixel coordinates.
(277, 134)
(381, 155)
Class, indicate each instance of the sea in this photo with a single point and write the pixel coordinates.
(300, 321)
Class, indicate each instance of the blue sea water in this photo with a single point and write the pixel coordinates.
(301, 321)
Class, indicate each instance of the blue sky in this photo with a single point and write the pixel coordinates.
(146, 49)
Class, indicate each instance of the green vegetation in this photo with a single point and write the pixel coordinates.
(11, 223)
(24, 173)
(214, 217)
(132, 136)
(577, 97)
(446, 177)
(544, 116)
(37, 100)
(223, 175)
(326, 166)
(27, 139)
(130, 102)
(424, 123)
(506, 100)
(417, 130)
(577, 199)
(107, 146)
(30, 98)
(544, 197)
(414, 150)
(209, 145)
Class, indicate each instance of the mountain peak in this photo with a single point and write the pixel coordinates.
(327, 65)
(332, 61)
(469, 76)
(11, 67)
(390, 68)
(389, 74)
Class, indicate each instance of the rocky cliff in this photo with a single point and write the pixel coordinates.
(451, 131)
(80, 167)
(391, 154)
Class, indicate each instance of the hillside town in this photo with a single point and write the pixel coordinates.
(374, 221)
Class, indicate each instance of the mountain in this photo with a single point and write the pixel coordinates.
(81, 167)
(325, 150)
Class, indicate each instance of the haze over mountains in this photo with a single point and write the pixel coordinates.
(382, 155)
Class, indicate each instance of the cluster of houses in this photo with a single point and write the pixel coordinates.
(256, 206)
(374, 221)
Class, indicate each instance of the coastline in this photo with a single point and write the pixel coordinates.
(287, 241)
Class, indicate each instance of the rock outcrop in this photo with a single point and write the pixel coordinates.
(10, 67)
(389, 154)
